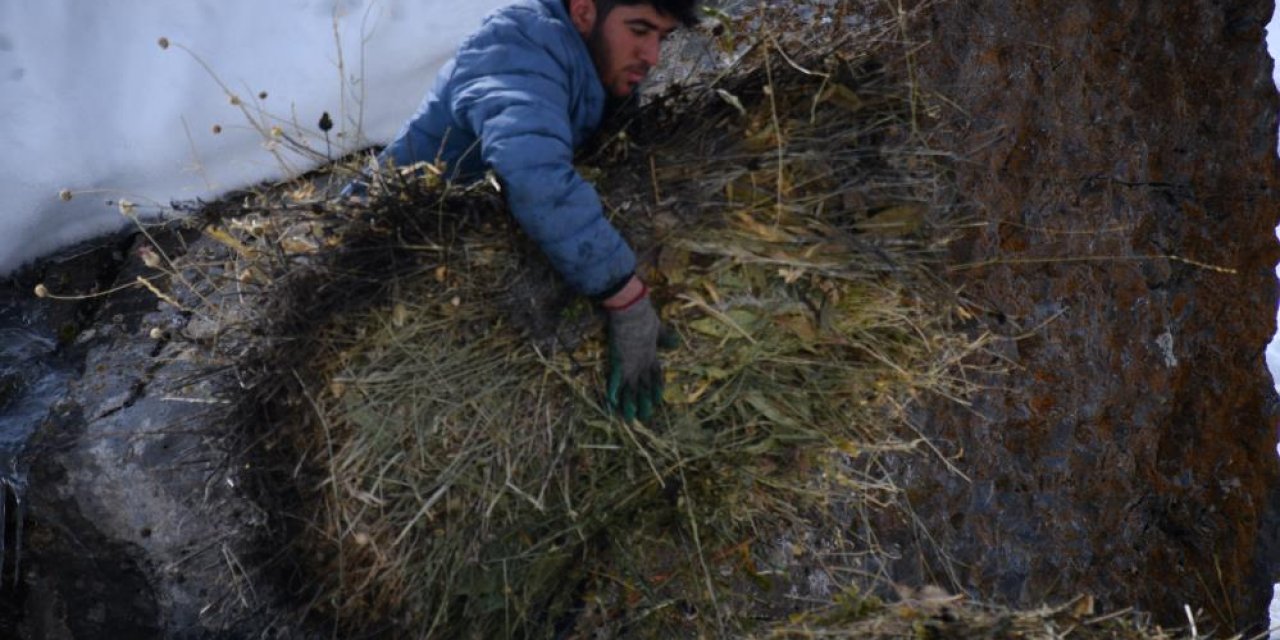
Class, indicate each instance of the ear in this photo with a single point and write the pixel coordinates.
(583, 15)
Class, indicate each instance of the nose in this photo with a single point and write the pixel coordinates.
(650, 51)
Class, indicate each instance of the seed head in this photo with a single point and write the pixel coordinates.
(362, 539)
(262, 95)
(42, 291)
(149, 257)
(234, 99)
(163, 42)
(217, 128)
(64, 195)
(277, 132)
(326, 123)
(126, 208)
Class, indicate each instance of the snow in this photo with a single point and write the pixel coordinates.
(1273, 349)
(1273, 43)
(91, 103)
(1273, 47)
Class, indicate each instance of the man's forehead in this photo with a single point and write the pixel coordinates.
(645, 15)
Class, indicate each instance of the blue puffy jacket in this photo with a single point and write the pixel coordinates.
(519, 97)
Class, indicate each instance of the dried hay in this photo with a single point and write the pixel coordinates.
(443, 390)
(933, 613)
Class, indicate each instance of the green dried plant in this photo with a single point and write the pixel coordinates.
(471, 483)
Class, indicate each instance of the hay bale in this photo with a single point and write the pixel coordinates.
(444, 391)
(931, 612)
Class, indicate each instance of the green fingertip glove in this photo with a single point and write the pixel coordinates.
(635, 375)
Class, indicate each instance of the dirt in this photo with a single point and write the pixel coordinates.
(1119, 162)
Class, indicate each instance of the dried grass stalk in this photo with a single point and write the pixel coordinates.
(791, 216)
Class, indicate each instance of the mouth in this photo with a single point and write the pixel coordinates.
(635, 75)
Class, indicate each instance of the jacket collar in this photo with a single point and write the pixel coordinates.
(557, 9)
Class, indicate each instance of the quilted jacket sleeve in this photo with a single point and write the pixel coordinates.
(416, 141)
(513, 91)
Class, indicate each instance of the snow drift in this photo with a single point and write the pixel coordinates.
(90, 103)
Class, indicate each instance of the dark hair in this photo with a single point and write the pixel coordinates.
(686, 11)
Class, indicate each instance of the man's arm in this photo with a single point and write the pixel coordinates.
(517, 101)
(521, 115)
(416, 141)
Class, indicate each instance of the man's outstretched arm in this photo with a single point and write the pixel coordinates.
(521, 116)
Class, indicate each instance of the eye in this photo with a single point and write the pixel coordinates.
(640, 31)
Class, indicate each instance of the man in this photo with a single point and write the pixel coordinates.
(521, 95)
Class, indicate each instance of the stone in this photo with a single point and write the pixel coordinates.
(139, 522)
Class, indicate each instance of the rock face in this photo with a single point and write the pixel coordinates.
(1120, 159)
(139, 525)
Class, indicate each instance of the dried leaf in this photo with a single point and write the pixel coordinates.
(732, 100)
(229, 240)
(672, 263)
(801, 326)
(901, 220)
(842, 96)
(768, 409)
(399, 315)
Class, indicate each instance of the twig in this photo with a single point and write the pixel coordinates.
(1087, 259)
(653, 177)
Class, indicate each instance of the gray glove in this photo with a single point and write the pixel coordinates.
(635, 375)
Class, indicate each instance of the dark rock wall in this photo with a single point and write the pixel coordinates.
(140, 524)
(1130, 451)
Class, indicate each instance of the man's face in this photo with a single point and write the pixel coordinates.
(626, 44)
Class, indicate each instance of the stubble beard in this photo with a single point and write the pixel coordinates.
(600, 53)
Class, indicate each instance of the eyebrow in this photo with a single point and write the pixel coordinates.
(642, 22)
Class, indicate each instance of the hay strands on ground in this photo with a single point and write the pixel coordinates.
(473, 485)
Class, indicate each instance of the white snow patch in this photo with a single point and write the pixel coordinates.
(1275, 611)
(1273, 44)
(1273, 349)
(89, 101)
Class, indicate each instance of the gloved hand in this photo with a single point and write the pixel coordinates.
(635, 375)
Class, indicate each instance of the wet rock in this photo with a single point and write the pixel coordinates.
(139, 525)
(11, 387)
